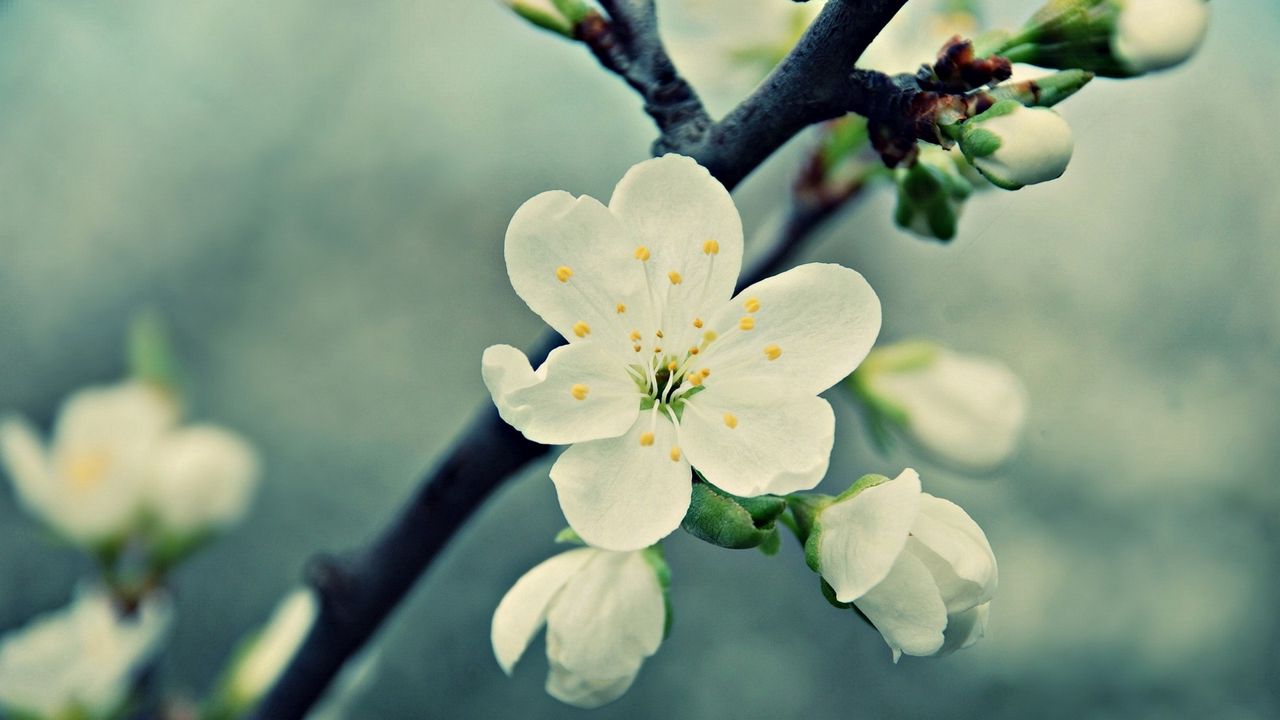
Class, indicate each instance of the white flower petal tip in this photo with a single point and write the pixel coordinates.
(664, 367)
(271, 650)
(966, 412)
(81, 660)
(1155, 35)
(917, 566)
(203, 479)
(1013, 145)
(605, 614)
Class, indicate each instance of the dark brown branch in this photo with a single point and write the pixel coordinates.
(359, 591)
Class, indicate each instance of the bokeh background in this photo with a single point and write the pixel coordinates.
(314, 193)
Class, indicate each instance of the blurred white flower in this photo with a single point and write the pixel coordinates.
(1157, 34)
(917, 566)
(963, 410)
(117, 454)
(80, 661)
(1013, 145)
(88, 485)
(605, 614)
(663, 369)
(268, 653)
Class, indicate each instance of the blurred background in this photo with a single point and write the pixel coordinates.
(314, 194)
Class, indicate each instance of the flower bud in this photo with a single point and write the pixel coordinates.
(605, 613)
(965, 411)
(1116, 38)
(1013, 145)
(931, 194)
(558, 16)
(918, 567)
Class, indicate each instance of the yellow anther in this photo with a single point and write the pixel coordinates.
(705, 372)
(658, 334)
(657, 350)
(642, 253)
(711, 247)
(646, 439)
(674, 277)
(697, 322)
(563, 273)
(581, 329)
(621, 308)
(694, 350)
(635, 335)
(695, 379)
(752, 305)
(671, 366)
(709, 335)
(730, 420)
(773, 352)
(637, 348)
(579, 392)
(675, 454)
(747, 323)
(86, 469)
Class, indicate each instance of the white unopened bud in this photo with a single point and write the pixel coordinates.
(1013, 145)
(1158, 34)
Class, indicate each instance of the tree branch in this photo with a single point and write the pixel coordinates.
(359, 591)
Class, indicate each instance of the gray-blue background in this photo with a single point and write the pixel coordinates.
(314, 192)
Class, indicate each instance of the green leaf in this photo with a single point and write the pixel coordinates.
(149, 352)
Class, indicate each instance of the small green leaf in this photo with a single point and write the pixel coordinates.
(720, 519)
(150, 355)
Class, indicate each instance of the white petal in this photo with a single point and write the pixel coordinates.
(822, 320)
(965, 629)
(122, 417)
(907, 609)
(269, 654)
(673, 206)
(862, 537)
(608, 618)
(772, 447)
(966, 411)
(621, 495)
(27, 463)
(957, 552)
(586, 693)
(555, 235)
(1035, 146)
(203, 478)
(545, 405)
(523, 609)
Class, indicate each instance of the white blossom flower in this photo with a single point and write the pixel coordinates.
(80, 661)
(966, 411)
(202, 479)
(88, 485)
(1157, 34)
(118, 453)
(605, 614)
(917, 566)
(1013, 145)
(269, 652)
(664, 369)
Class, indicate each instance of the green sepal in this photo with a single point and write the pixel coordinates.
(149, 352)
(729, 521)
(804, 512)
(1046, 91)
(979, 143)
(811, 554)
(569, 536)
(573, 10)
(662, 571)
(771, 544)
